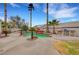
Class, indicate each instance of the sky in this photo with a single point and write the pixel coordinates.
(63, 12)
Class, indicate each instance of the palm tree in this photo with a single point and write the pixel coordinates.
(30, 8)
(53, 23)
(18, 19)
(13, 21)
(47, 29)
(5, 18)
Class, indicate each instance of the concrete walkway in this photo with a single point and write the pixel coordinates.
(35, 47)
(19, 45)
(9, 42)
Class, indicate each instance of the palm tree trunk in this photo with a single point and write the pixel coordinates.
(5, 18)
(31, 34)
(31, 24)
(47, 29)
(30, 19)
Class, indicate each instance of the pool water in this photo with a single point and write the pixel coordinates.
(34, 34)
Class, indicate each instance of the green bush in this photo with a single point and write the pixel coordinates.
(24, 28)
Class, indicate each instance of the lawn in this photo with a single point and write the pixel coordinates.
(67, 47)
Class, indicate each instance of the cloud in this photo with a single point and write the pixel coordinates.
(36, 5)
(14, 5)
(2, 18)
(61, 10)
(74, 19)
(64, 6)
(67, 20)
(65, 13)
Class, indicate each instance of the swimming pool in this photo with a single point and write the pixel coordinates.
(34, 34)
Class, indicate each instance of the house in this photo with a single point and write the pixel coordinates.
(69, 28)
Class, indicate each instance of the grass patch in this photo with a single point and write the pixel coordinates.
(67, 47)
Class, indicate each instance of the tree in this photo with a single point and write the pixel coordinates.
(18, 19)
(13, 21)
(10, 26)
(5, 19)
(23, 21)
(24, 27)
(47, 29)
(30, 8)
(32, 30)
(53, 23)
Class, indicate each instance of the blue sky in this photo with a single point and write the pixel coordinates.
(64, 12)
